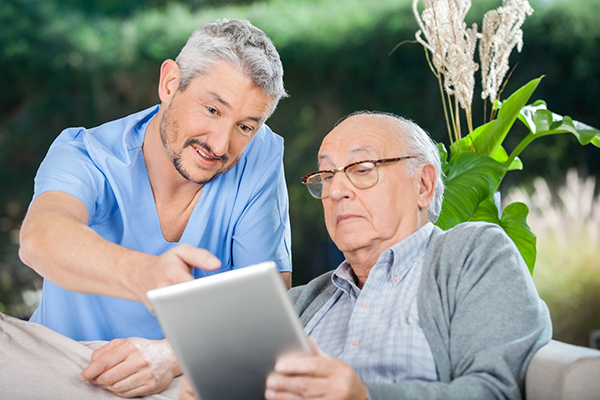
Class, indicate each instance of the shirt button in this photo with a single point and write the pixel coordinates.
(396, 278)
(355, 342)
(366, 304)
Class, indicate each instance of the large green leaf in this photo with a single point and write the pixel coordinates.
(501, 156)
(514, 223)
(470, 178)
(542, 122)
(487, 138)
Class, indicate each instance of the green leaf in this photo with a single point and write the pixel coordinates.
(488, 137)
(501, 156)
(542, 122)
(470, 178)
(514, 223)
(487, 212)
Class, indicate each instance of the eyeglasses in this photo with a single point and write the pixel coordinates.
(362, 174)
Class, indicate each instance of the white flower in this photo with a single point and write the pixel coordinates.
(500, 33)
(452, 46)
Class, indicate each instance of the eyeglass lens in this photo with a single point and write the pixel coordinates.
(362, 176)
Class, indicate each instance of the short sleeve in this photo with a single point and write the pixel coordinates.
(263, 230)
(68, 168)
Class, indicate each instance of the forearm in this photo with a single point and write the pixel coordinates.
(470, 388)
(57, 245)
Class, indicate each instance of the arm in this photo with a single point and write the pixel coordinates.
(57, 243)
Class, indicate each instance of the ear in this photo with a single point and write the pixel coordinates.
(169, 80)
(426, 185)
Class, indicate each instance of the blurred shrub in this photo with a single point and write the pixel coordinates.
(567, 274)
(65, 66)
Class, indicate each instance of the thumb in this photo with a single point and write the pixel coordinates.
(315, 348)
(199, 258)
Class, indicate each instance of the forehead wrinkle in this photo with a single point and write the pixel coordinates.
(367, 149)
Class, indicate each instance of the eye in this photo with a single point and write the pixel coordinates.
(326, 177)
(246, 129)
(212, 110)
(362, 169)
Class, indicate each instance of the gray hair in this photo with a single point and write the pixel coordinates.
(239, 43)
(420, 145)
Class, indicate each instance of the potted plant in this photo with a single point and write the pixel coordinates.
(477, 162)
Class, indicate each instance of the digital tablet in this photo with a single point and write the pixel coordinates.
(227, 330)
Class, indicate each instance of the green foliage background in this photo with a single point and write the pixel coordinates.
(81, 63)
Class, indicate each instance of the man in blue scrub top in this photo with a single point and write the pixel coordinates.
(179, 191)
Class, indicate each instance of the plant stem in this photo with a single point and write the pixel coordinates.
(451, 118)
(485, 111)
(457, 125)
(517, 151)
(469, 120)
(439, 76)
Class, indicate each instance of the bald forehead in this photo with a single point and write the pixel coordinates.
(379, 133)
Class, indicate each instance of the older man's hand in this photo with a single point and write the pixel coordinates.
(314, 377)
(133, 367)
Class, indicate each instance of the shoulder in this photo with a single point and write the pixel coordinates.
(315, 286)
(114, 138)
(264, 150)
(308, 299)
(468, 236)
(471, 251)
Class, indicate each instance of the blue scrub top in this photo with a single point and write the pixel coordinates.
(241, 217)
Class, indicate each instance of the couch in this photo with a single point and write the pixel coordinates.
(561, 371)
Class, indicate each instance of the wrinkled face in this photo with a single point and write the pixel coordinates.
(206, 127)
(378, 217)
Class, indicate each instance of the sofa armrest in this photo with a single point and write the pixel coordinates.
(560, 371)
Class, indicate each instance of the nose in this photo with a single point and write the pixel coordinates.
(218, 139)
(340, 187)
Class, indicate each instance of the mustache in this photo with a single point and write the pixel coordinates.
(197, 143)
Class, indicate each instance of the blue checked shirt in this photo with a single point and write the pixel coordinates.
(377, 330)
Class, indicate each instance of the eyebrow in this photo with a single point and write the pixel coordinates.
(221, 100)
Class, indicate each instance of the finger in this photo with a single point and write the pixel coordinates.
(128, 368)
(107, 348)
(275, 395)
(199, 258)
(314, 346)
(298, 385)
(304, 365)
(137, 384)
(103, 360)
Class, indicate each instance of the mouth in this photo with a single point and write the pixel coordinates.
(205, 158)
(346, 218)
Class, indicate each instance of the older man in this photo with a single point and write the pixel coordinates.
(138, 203)
(413, 312)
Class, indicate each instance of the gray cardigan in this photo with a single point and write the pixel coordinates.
(479, 310)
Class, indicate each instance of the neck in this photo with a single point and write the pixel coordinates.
(362, 260)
